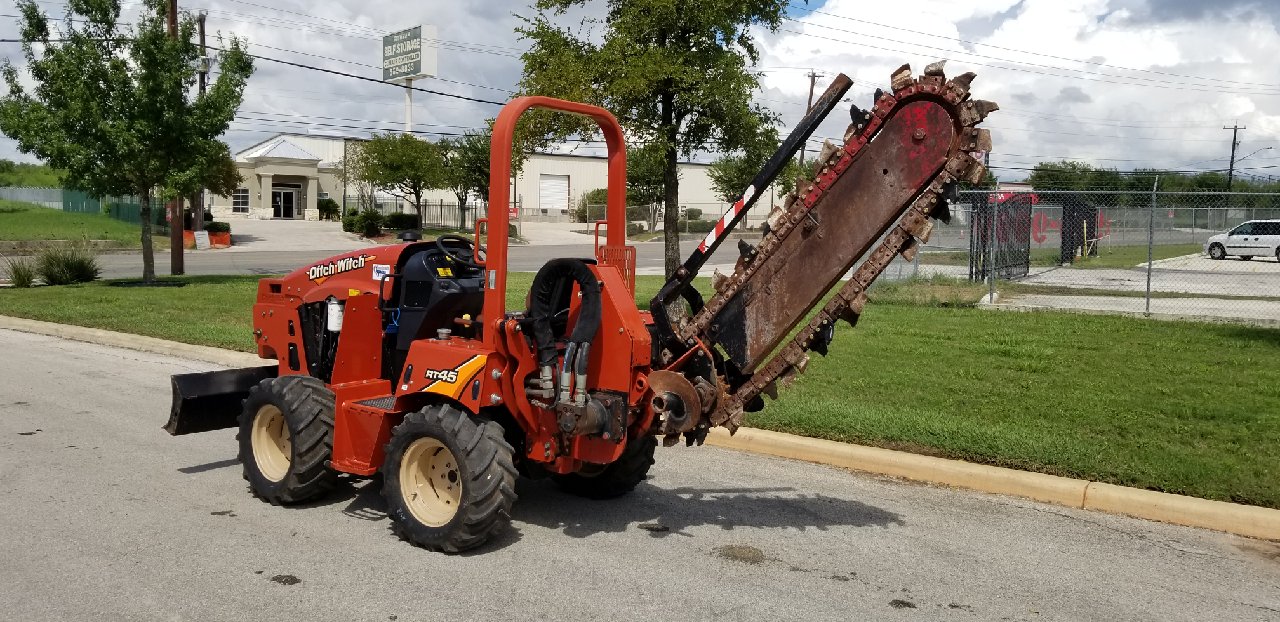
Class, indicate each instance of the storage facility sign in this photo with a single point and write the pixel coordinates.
(409, 54)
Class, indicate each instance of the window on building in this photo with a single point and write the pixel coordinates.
(240, 200)
(322, 195)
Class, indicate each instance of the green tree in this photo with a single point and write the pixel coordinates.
(674, 72)
(466, 164)
(25, 174)
(731, 174)
(1064, 175)
(403, 165)
(215, 171)
(646, 179)
(114, 106)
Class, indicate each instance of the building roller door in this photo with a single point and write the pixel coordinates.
(553, 194)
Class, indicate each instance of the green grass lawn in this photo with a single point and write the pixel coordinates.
(24, 221)
(1108, 256)
(1175, 406)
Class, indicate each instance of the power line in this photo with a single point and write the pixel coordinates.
(367, 79)
(1040, 54)
(296, 116)
(354, 62)
(1026, 70)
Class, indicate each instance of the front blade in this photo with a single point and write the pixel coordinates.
(211, 400)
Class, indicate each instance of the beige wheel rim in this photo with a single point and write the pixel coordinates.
(271, 446)
(430, 482)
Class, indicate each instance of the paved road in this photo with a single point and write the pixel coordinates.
(107, 518)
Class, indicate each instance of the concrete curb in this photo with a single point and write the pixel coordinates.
(227, 358)
(1245, 520)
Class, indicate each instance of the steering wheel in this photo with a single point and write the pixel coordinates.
(475, 249)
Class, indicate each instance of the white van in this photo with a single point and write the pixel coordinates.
(1256, 238)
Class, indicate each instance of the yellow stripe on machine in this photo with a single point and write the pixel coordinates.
(465, 373)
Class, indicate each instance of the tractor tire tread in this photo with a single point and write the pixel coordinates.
(490, 471)
(308, 406)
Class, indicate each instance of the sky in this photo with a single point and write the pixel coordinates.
(1116, 83)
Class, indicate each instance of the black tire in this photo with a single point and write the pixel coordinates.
(307, 406)
(1246, 257)
(1217, 251)
(482, 467)
(617, 478)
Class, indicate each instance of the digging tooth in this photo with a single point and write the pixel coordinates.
(974, 111)
(879, 94)
(942, 211)
(857, 115)
(979, 140)
(957, 89)
(909, 250)
(823, 338)
(935, 69)
(975, 171)
(828, 148)
(901, 78)
(718, 280)
(770, 389)
(926, 231)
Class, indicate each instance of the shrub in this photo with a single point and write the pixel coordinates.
(66, 265)
(635, 228)
(349, 223)
(369, 223)
(693, 213)
(401, 221)
(22, 272)
(328, 208)
(217, 227)
(700, 226)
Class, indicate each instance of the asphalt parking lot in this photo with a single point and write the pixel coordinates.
(1230, 265)
(107, 518)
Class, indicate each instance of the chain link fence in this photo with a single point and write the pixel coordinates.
(1205, 255)
(438, 213)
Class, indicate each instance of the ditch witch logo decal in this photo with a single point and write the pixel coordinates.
(321, 272)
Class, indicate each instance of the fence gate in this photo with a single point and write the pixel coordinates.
(1010, 255)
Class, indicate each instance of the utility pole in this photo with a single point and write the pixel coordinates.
(408, 106)
(813, 78)
(175, 206)
(197, 207)
(1231, 170)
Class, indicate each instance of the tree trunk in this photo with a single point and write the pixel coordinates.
(197, 212)
(670, 188)
(462, 207)
(417, 207)
(148, 251)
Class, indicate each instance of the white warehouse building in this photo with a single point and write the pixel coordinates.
(285, 175)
